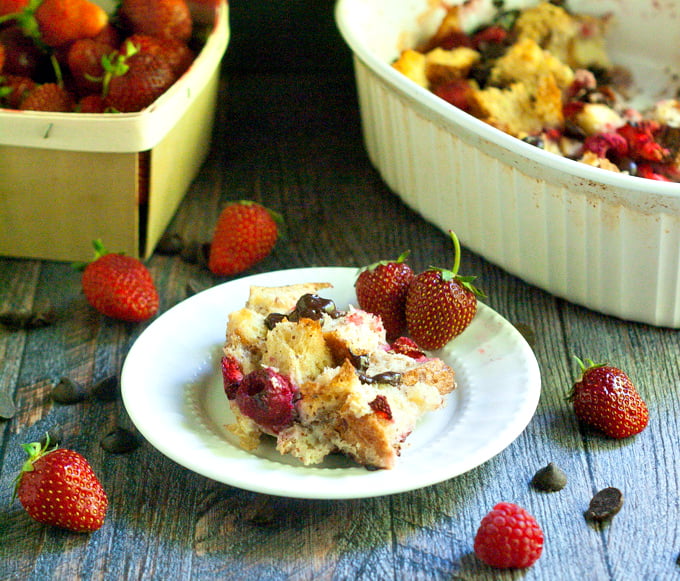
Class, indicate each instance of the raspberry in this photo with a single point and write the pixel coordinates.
(266, 397)
(509, 537)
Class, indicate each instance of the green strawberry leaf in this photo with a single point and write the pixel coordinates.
(402, 258)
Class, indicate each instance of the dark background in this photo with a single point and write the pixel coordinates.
(291, 36)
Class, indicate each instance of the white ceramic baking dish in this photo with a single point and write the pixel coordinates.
(607, 241)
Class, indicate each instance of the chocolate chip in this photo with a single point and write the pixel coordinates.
(359, 362)
(7, 407)
(389, 377)
(550, 478)
(605, 504)
(106, 389)
(120, 441)
(170, 244)
(41, 316)
(67, 391)
(273, 319)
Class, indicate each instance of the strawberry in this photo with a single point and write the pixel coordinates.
(178, 55)
(162, 18)
(133, 79)
(119, 286)
(13, 90)
(22, 57)
(56, 23)
(91, 104)
(58, 487)
(459, 92)
(381, 289)
(509, 537)
(12, 6)
(110, 35)
(63, 21)
(440, 304)
(84, 59)
(244, 235)
(47, 97)
(605, 398)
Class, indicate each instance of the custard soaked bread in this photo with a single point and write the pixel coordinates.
(323, 381)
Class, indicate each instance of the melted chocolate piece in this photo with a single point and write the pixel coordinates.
(359, 362)
(309, 306)
(273, 319)
(389, 377)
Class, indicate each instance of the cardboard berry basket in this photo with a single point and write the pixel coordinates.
(69, 178)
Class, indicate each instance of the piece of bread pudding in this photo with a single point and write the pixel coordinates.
(324, 381)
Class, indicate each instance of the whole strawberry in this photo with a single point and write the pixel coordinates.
(244, 235)
(605, 398)
(47, 97)
(381, 289)
(440, 304)
(14, 89)
(22, 57)
(119, 286)
(63, 21)
(133, 79)
(508, 537)
(84, 58)
(176, 53)
(56, 23)
(162, 18)
(58, 487)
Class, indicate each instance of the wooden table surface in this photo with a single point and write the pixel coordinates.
(290, 137)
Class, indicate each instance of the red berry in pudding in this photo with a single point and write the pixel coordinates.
(231, 375)
(266, 397)
(408, 347)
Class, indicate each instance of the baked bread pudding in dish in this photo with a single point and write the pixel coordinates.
(321, 380)
(542, 74)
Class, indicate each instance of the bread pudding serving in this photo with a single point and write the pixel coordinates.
(321, 380)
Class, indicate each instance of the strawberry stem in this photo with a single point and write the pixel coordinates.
(99, 248)
(116, 65)
(456, 253)
(588, 364)
(99, 251)
(464, 281)
(34, 451)
(28, 23)
(57, 70)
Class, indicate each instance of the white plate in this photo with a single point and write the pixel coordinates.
(172, 388)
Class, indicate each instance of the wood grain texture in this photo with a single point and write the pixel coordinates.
(293, 141)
